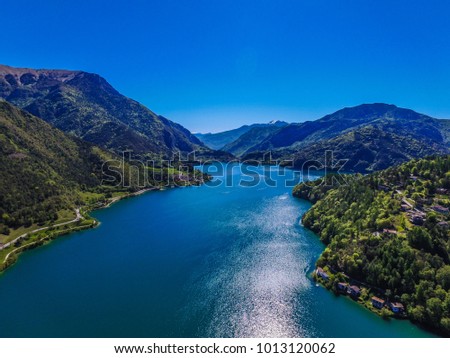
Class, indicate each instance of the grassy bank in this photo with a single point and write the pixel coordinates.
(69, 220)
(46, 233)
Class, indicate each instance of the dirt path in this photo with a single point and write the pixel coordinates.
(77, 218)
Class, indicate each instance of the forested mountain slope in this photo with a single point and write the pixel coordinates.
(390, 229)
(370, 136)
(86, 105)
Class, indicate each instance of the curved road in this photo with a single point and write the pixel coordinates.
(12, 242)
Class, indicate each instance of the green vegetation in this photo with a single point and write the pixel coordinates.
(364, 298)
(87, 106)
(371, 136)
(9, 255)
(253, 137)
(41, 169)
(390, 230)
(45, 174)
(225, 140)
(315, 190)
(374, 147)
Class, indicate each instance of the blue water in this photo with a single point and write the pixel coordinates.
(214, 261)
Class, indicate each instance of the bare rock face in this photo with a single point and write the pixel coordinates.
(23, 85)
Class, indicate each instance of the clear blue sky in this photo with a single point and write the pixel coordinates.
(213, 65)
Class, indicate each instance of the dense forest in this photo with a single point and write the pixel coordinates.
(43, 170)
(369, 137)
(390, 230)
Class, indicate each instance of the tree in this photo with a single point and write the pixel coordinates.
(385, 313)
(443, 277)
(434, 309)
(418, 313)
(5, 218)
(419, 238)
(412, 266)
(445, 324)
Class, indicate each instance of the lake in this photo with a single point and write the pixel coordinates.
(219, 260)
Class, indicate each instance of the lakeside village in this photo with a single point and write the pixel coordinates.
(360, 292)
(374, 298)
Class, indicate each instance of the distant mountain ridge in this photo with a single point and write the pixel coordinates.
(339, 122)
(86, 105)
(250, 139)
(221, 139)
(372, 136)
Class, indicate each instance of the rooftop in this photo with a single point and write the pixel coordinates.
(377, 299)
(396, 304)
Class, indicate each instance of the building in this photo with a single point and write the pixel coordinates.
(354, 291)
(424, 201)
(407, 203)
(377, 302)
(397, 307)
(321, 273)
(443, 224)
(440, 209)
(441, 191)
(342, 286)
(405, 207)
(390, 231)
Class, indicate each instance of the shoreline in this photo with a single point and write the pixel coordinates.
(82, 214)
(128, 195)
(322, 283)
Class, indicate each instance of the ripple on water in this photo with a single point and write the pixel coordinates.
(253, 290)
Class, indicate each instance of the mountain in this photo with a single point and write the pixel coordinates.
(371, 148)
(221, 139)
(388, 232)
(41, 168)
(251, 138)
(86, 105)
(370, 136)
